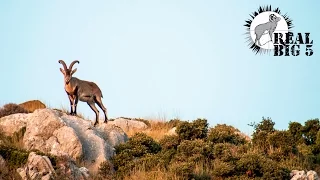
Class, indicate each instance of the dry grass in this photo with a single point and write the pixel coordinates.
(161, 174)
(157, 130)
(32, 105)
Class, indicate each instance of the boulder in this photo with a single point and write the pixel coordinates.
(3, 167)
(69, 169)
(172, 131)
(312, 175)
(54, 132)
(40, 167)
(302, 175)
(112, 133)
(37, 167)
(9, 125)
(128, 124)
(48, 133)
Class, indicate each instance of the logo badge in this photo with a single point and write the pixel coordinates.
(270, 31)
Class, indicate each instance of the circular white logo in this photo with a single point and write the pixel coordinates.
(264, 26)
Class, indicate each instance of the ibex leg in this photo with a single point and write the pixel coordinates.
(71, 99)
(94, 108)
(98, 100)
(75, 104)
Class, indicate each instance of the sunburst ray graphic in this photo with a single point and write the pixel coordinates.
(252, 45)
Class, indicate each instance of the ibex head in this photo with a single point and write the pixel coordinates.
(68, 72)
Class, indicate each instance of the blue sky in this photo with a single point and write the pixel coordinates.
(159, 58)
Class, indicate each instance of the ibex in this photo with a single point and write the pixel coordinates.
(84, 91)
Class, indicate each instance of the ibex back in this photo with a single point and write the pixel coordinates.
(84, 91)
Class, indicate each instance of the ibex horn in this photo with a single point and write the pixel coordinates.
(64, 64)
(75, 61)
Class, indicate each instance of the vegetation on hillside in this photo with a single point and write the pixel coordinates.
(220, 152)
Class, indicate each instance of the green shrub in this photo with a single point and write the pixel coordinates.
(310, 130)
(244, 148)
(121, 160)
(170, 142)
(318, 138)
(146, 163)
(260, 166)
(165, 157)
(138, 145)
(105, 170)
(223, 151)
(183, 170)
(260, 141)
(13, 156)
(197, 129)
(223, 133)
(11, 108)
(295, 129)
(266, 125)
(251, 162)
(193, 151)
(316, 146)
(152, 161)
(14, 159)
(283, 141)
(128, 154)
(222, 169)
(272, 170)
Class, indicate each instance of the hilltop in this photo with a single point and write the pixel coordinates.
(41, 142)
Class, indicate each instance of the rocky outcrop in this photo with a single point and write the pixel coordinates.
(129, 124)
(40, 167)
(59, 134)
(172, 131)
(302, 175)
(312, 175)
(37, 167)
(47, 132)
(3, 167)
(70, 170)
(13, 123)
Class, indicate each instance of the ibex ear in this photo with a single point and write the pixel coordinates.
(64, 73)
(73, 71)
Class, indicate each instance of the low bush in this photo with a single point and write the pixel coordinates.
(224, 152)
(105, 170)
(193, 151)
(281, 141)
(170, 142)
(14, 157)
(128, 154)
(183, 170)
(197, 129)
(223, 133)
(32, 105)
(11, 108)
(222, 169)
(257, 165)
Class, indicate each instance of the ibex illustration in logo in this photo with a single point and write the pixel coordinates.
(268, 26)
